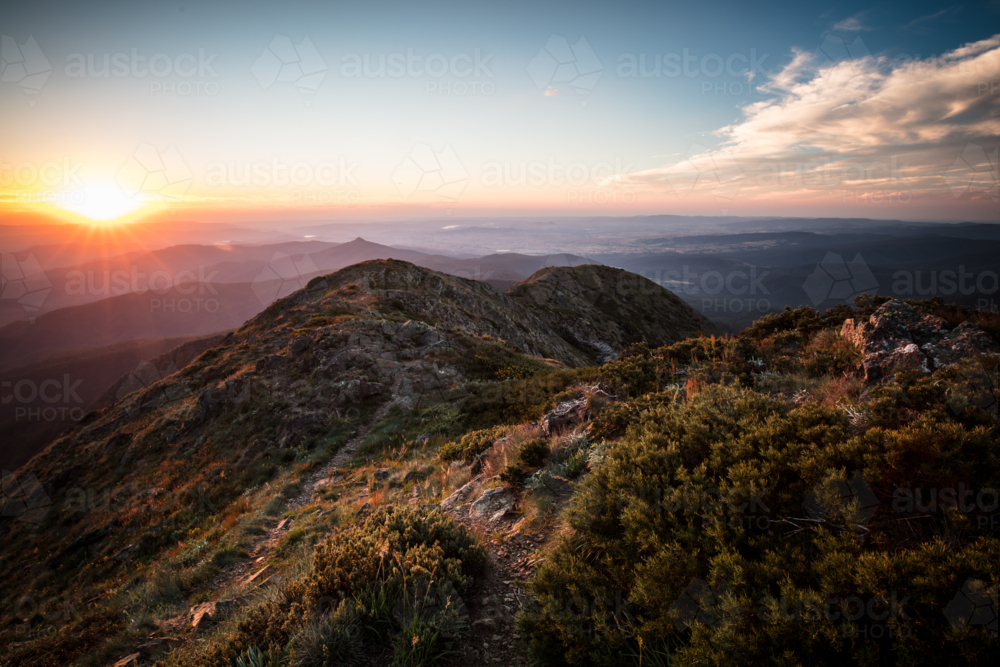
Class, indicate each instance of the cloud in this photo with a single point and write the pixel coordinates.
(929, 17)
(852, 24)
(869, 121)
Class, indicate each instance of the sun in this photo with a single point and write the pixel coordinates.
(101, 202)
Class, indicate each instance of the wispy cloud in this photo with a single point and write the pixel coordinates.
(893, 125)
(851, 24)
(930, 17)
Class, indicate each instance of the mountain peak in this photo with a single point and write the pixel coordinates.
(602, 310)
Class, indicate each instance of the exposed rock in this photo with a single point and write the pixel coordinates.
(154, 369)
(494, 503)
(601, 310)
(899, 335)
(459, 496)
(128, 661)
(270, 362)
(299, 345)
(126, 553)
(472, 307)
(381, 474)
(256, 575)
(324, 483)
(219, 400)
(565, 417)
(415, 476)
(209, 612)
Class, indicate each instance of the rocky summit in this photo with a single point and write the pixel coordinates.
(602, 310)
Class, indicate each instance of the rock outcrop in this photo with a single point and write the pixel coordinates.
(899, 335)
(564, 417)
(602, 310)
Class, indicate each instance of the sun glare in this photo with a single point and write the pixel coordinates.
(101, 203)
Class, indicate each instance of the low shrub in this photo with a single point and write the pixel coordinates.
(721, 528)
(472, 444)
(533, 453)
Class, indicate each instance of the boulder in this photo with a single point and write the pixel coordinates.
(899, 335)
(494, 503)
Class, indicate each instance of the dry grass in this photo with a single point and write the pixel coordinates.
(832, 391)
(504, 452)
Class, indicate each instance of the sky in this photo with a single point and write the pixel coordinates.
(335, 110)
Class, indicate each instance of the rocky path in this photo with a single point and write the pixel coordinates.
(339, 460)
(500, 595)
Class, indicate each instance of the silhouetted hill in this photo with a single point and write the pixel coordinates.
(43, 399)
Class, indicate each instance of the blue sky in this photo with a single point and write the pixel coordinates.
(504, 119)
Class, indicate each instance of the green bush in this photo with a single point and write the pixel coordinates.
(533, 453)
(334, 639)
(501, 361)
(614, 418)
(512, 475)
(472, 444)
(718, 529)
